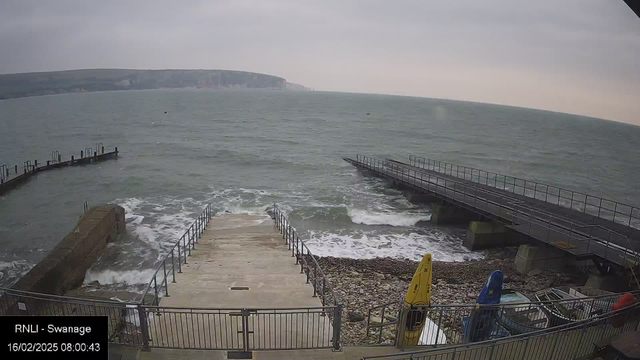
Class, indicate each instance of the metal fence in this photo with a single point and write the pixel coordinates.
(307, 261)
(124, 319)
(569, 341)
(593, 205)
(565, 234)
(191, 328)
(175, 257)
(457, 324)
(244, 329)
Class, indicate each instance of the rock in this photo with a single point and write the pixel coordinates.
(390, 318)
(375, 320)
(378, 275)
(388, 334)
(471, 295)
(94, 283)
(534, 272)
(356, 316)
(355, 273)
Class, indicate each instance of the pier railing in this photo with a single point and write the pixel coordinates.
(593, 205)
(457, 324)
(172, 262)
(566, 342)
(308, 264)
(568, 235)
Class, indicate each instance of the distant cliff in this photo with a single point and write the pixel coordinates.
(72, 81)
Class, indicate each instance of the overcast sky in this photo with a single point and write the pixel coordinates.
(578, 56)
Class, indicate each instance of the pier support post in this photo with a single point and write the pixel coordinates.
(611, 282)
(485, 235)
(531, 257)
(449, 215)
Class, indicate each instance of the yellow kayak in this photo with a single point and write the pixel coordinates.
(419, 293)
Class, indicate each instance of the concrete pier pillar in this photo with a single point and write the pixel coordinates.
(419, 198)
(450, 215)
(613, 283)
(485, 235)
(531, 257)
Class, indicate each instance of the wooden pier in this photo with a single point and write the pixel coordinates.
(10, 178)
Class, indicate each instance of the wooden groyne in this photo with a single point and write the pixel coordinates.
(11, 177)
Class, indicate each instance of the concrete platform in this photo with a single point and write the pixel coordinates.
(240, 250)
(350, 353)
(240, 262)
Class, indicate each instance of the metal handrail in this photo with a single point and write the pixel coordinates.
(583, 324)
(448, 169)
(574, 226)
(509, 212)
(189, 240)
(311, 267)
(449, 311)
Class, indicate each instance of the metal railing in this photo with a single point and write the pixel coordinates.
(244, 329)
(456, 324)
(564, 234)
(175, 257)
(593, 205)
(569, 341)
(124, 319)
(307, 261)
(55, 156)
(191, 328)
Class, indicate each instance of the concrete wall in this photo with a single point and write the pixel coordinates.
(65, 266)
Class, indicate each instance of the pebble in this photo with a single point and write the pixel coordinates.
(355, 316)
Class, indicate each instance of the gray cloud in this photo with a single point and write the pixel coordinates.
(576, 56)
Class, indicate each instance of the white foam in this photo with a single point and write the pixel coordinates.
(380, 218)
(369, 245)
(238, 208)
(12, 270)
(126, 277)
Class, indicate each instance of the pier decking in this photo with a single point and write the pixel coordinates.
(12, 177)
(578, 233)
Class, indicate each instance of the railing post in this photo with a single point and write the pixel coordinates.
(166, 283)
(438, 329)
(194, 236)
(337, 324)
(142, 317)
(179, 259)
(314, 273)
(297, 249)
(155, 289)
(173, 267)
(324, 284)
